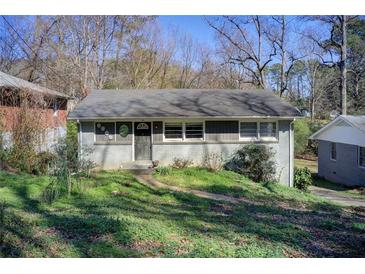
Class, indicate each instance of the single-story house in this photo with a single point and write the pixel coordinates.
(341, 150)
(52, 108)
(135, 125)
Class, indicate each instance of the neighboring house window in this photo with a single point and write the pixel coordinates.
(265, 131)
(105, 132)
(248, 130)
(333, 152)
(173, 131)
(194, 130)
(362, 156)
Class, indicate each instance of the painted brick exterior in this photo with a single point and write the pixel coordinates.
(224, 141)
(345, 170)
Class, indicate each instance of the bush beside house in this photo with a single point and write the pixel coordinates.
(302, 178)
(255, 162)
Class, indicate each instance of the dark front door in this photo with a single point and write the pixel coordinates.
(142, 140)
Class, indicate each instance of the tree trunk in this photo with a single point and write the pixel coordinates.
(283, 56)
(343, 69)
(313, 90)
(69, 183)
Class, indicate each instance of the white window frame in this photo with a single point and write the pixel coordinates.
(258, 138)
(358, 157)
(183, 139)
(333, 159)
(173, 139)
(248, 139)
(194, 139)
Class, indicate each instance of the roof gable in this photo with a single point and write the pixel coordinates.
(182, 103)
(342, 130)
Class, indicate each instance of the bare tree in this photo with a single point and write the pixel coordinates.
(335, 45)
(251, 50)
(278, 33)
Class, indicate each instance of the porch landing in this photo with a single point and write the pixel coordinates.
(139, 166)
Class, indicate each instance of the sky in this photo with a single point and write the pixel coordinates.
(198, 28)
(190, 24)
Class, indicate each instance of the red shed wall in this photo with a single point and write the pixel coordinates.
(49, 117)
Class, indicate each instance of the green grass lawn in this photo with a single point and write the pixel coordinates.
(233, 184)
(112, 215)
(311, 165)
(353, 192)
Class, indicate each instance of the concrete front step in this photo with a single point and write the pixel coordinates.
(137, 165)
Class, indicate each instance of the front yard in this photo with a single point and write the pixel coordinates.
(113, 215)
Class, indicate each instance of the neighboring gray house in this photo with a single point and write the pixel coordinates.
(341, 150)
(123, 126)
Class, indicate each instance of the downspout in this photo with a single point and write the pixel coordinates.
(79, 136)
(291, 153)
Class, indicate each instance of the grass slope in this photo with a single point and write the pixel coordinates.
(112, 215)
(233, 184)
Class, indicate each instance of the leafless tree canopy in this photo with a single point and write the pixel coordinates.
(311, 61)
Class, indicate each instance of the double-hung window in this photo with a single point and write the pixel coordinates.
(179, 131)
(333, 152)
(194, 130)
(261, 131)
(362, 157)
(267, 129)
(174, 131)
(248, 130)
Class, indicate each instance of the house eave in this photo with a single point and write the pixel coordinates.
(183, 117)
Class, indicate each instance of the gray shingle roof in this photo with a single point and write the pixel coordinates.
(9, 81)
(357, 121)
(181, 103)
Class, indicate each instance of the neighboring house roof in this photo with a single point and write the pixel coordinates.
(9, 81)
(347, 129)
(104, 104)
(356, 121)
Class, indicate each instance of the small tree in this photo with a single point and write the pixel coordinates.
(28, 129)
(69, 163)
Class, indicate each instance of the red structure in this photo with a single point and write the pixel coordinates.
(49, 106)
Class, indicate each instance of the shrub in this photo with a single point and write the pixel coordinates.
(72, 132)
(181, 163)
(52, 191)
(44, 160)
(68, 164)
(2, 223)
(301, 134)
(28, 130)
(155, 163)
(213, 161)
(302, 178)
(4, 156)
(163, 170)
(255, 162)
